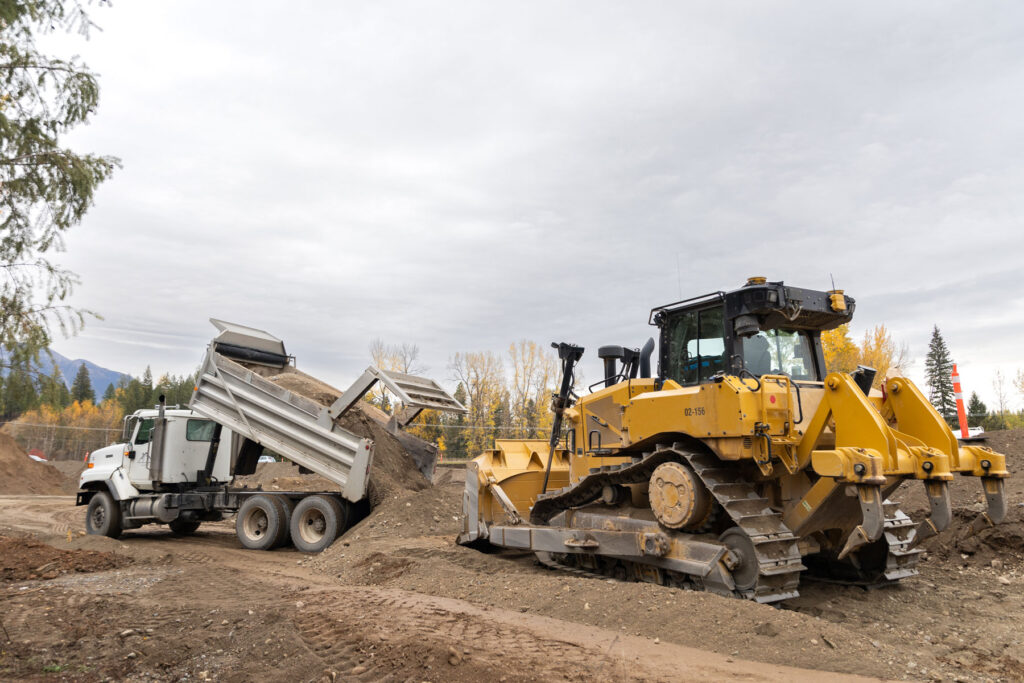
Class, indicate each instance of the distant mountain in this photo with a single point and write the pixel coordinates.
(101, 378)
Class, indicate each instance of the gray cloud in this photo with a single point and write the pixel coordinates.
(462, 175)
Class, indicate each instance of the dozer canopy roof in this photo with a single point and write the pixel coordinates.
(762, 305)
(761, 328)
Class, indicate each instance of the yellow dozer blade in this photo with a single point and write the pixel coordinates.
(503, 484)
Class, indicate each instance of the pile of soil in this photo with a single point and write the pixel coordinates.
(436, 511)
(284, 476)
(394, 471)
(71, 470)
(23, 559)
(21, 474)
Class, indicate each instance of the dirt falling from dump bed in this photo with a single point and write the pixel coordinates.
(394, 470)
(20, 474)
(283, 476)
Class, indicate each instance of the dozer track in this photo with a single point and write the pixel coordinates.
(764, 538)
(869, 568)
(900, 532)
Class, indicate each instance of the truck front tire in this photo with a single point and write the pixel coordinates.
(317, 522)
(103, 516)
(260, 524)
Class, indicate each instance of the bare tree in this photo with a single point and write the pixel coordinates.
(1002, 399)
(483, 376)
(402, 357)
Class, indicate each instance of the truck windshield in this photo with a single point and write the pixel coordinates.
(145, 431)
(199, 430)
(772, 352)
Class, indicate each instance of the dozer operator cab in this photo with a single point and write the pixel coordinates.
(763, 328)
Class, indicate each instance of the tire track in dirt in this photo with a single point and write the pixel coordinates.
(434, 633)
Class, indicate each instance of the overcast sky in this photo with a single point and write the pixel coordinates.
(463, 175)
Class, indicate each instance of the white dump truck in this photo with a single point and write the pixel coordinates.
(175, 466)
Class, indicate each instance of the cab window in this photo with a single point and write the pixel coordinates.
(145, 431)
(199, 430)
(773, 352)
(128, 429)
(696, 346)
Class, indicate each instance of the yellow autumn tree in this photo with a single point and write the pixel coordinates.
(841, 354)
(877, 349)
(880, 351)
(70, 433)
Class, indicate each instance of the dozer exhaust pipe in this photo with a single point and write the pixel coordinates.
(635, 362)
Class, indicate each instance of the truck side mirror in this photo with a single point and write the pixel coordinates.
(130, 454)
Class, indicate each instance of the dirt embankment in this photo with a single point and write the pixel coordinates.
(20, 474)
(960, 542)
(24, 558)
(71, 470)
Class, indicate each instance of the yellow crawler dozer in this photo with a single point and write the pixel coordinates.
(741, 464)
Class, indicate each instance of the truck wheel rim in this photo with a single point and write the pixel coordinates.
(255, 523)
(98, 515)
(312, 526)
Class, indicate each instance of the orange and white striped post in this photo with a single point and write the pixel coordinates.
(960, 412)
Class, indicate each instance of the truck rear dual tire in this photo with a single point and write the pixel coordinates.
(288, 505)
(262, 523)
(317, 522)
(103, 516)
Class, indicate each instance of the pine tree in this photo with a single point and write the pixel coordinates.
(53, 391)
(133, 394)
(47, 188)
(19, 393)
(109, 394)
(976, 410)
(81, 388)
(938, 373)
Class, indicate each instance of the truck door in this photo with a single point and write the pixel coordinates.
(138, 469)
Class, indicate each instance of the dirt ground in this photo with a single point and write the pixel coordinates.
(201, 608)
(397, 599)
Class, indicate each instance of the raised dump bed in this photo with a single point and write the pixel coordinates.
(288, 424)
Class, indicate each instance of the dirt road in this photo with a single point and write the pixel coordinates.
(201, 608)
